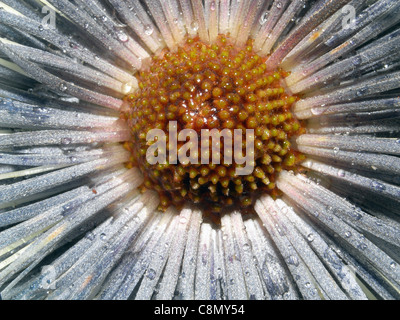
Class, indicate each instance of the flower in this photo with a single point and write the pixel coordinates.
(73, 222)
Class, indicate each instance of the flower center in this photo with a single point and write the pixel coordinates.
(211, 126)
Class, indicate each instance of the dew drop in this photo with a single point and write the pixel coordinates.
(126, 88)
(212, 6)
(264, 17)
(357, 61)
(362, 246)
(293, 261)
(378, 186)
(279, 5)
(336, 150)
(63, 87)
(194, 26)
(66, 141)
(90, 236)
(122, 36)
(341, 173)
(310, 237)
(182, 220)
(347, 234)
(361, 92)
(148, 30)
(151, 274)
(317, 111)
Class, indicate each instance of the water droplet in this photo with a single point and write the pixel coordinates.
(151, 274)
(377, 186)
(312, 292)
(361, 92)
(126, 88)
(63, 87)
(264, 18)
(41, 28)
(293, 261)
(66, 141)
(148, 30)
(246, 247)
(212, 6)
(279, 5)
(362, 246)
(336, 150)
(194, 26)
(310, 237)
(103, 236)
(347, 234)
(287, 296)
(122, 36)
(182, 220)
(357, 61)
(341, 173)
(90, 236)
(393, 265)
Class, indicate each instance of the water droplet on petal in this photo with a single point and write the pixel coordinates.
(182, 220)
(377, 186)
(293, 261)
(264, 18)
(127, 88)
(194, 26)
(66, 141)
(212, 6)
(148, 30)
(63, 87)
(341, 173)
(122, 36)
(151, 274)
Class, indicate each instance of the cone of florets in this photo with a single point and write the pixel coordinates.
(220, 87)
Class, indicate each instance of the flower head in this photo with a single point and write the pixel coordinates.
(86, 214)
